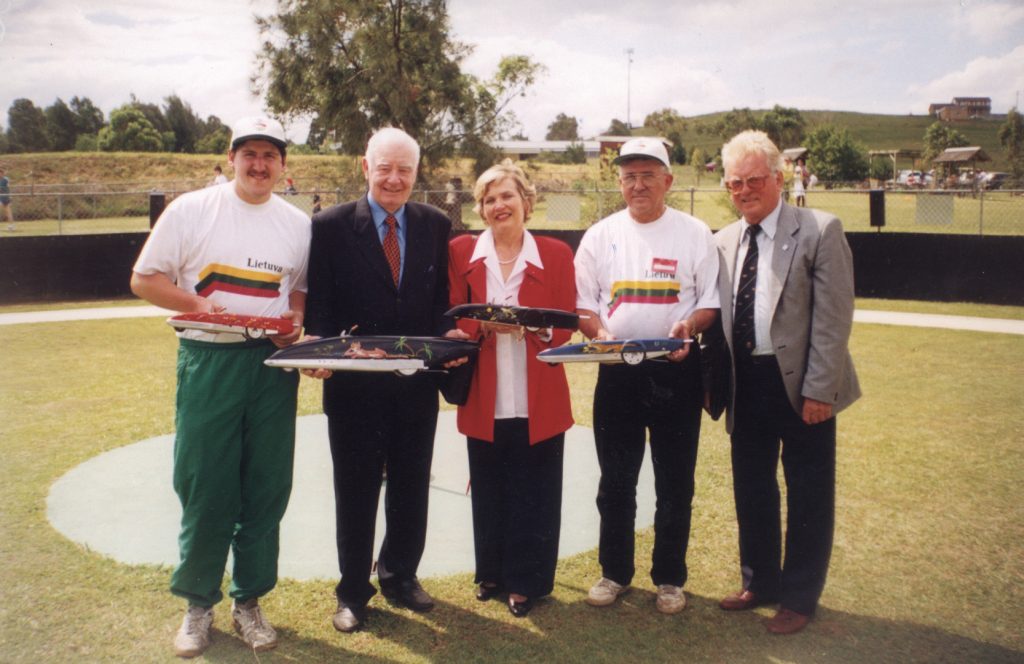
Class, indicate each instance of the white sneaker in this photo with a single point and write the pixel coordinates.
(671, 599)
(604, 592)
(193, 636)
(252, 626)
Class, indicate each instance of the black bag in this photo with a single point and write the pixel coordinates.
(715, 369)
(455, 382)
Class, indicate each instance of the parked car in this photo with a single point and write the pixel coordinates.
(994, 180)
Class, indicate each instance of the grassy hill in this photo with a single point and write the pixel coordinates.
(143, 171)
(873, 131)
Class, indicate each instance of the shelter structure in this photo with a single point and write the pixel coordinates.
(904, 153)
(792, 154)
(961, 158)
(525, 149)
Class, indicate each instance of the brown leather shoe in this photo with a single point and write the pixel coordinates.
(741, 601)
(786, 621)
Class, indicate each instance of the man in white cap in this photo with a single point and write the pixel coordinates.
(234, 248)
(647, 271)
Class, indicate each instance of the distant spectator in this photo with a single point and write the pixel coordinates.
(289, 187)
(316, 203)
(218, 177)
(5, 198)
(800, 181)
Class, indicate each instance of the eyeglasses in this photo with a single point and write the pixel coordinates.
(753, 183)
(648, 179)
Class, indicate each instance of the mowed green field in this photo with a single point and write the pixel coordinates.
(928, 555)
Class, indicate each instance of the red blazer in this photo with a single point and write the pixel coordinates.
(553, 287)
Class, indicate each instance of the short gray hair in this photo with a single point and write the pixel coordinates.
(391, 136)
(751, 142)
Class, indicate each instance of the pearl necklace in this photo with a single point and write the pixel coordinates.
(511, 260)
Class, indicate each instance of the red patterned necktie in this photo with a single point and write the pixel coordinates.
(391, 250)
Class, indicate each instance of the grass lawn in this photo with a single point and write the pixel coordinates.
(927, 564)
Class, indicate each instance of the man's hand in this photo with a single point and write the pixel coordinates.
(282, 340)
(816, 412)
(456, 333)
(682, 329)
(320, 374)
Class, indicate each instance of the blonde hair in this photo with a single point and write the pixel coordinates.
(751, 142)
(505, 170)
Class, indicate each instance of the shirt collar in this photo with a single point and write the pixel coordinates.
(770, 224)
(380, 214)
(485, 249)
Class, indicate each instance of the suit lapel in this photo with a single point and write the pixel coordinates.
(782, 256)
(419, 246)
(730, 248)
(369, 241)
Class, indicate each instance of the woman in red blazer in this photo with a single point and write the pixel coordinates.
(518, 408)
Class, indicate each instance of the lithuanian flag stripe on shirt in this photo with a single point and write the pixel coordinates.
(648, 292)
(216, 277)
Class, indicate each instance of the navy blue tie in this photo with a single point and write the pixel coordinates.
(743, 320)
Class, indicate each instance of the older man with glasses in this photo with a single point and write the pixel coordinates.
(646, 271)
(786, 288)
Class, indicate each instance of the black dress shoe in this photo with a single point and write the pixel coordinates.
(520, 609)
(409, 593)
(349, 618)
(485, 592)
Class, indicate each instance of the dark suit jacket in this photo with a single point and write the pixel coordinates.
(811, 318)
(350, 286)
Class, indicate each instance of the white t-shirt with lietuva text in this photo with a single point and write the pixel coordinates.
(246, 258)
(642, 278)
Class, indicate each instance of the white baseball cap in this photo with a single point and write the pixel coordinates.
(642, 148)
(257, 128)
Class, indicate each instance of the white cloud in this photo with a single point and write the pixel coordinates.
(1000, 78)
(993, 21)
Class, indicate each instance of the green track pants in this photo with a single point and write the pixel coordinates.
(233, 456)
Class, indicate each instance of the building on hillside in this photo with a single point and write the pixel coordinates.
(613, 143)
(962, 108)
(525, 149)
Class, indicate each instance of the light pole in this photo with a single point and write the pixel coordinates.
(629, 67)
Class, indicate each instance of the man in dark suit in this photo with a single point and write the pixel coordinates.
(379, 265)
(786, 289)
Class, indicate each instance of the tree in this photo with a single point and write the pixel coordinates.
(671, 125)
(152, 113)
(214, 136)
(183, 122)
(1011, 136)
(733, 122)
(564, 128)
(938, 137)
(60, 126)
(88, 118)
(618, 128)
(358, 66)
(698, 160)
(835, 155)
(26, 127)
(129, 131)
(785, 126)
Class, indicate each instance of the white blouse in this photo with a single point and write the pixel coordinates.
(511, 400)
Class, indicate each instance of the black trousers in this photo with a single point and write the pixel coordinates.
(517, 508)
(765, 418)
(360, 449)
(664, 399)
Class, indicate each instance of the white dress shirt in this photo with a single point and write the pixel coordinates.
(510, 397)
(763, 290)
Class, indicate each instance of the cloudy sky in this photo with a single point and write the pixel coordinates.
(876, 56)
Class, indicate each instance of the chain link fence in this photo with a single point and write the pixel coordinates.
(1000, 212)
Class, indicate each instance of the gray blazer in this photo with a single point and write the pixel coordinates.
(811, 317)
